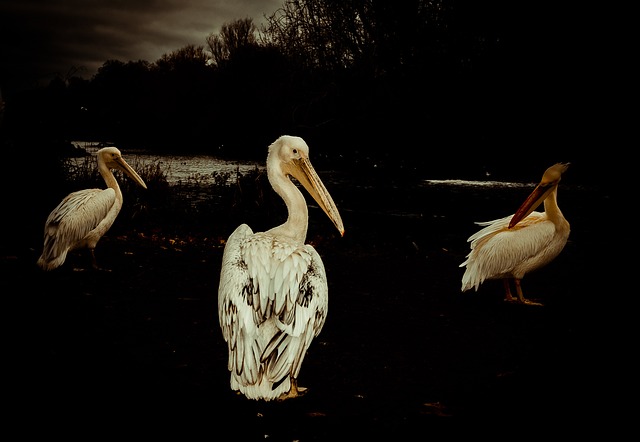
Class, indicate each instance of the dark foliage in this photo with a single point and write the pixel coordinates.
(408, 84)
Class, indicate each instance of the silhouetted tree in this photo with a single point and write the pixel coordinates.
(121, 94)
(185, 99)
(389, 71)
(187, 57)
(251, 84)
(236, 36)
(368, 35)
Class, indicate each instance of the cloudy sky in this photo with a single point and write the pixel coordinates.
(41, 38)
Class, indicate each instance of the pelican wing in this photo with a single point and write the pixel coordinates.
(77, 214)
(304, 311)
(497, 250)
(236, 307)
(272, 301)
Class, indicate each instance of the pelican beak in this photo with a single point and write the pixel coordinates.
(302, 170)
(550, 180)
(536, 198)
(128, 170)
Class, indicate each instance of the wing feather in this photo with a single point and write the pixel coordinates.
(235, 304)
(497, 251)
(269, 332)
(71, 221)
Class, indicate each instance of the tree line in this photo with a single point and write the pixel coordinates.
(377, 81)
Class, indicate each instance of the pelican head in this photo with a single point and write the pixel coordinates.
(112, 158)
(548, 183)
(290, 155)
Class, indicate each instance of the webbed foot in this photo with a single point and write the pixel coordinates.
(293, 392)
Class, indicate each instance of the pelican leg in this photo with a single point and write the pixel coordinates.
(521, 297)
(293, 392)
(507, 290)
(94, 261)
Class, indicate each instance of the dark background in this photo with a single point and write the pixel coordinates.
(508, 91)
(443, 89)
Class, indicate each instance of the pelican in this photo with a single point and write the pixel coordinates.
(84, 216)
(510, 247)
(273, 293)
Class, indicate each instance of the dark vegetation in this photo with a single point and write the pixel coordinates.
(431, 87)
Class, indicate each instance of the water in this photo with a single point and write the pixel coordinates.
(454, 202)
(468, 183)
(202, 169)
(205, 168)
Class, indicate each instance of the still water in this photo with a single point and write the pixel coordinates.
(202, 169)
(364, 193)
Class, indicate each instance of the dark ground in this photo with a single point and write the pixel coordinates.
(403, 351)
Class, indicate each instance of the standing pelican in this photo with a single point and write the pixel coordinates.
(83, 217)
(273, 294)
(510, 247)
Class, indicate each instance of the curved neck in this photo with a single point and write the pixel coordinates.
(110, 179)
(295, 226)
(551, 207)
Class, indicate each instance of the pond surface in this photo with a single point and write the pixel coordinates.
(182, 168)
(204, 169)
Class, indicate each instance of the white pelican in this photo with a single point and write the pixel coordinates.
(83, 217)
(510, 247)
(273, 294)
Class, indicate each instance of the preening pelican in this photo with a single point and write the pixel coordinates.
(510, 247)
(273, 294)
(83, 217)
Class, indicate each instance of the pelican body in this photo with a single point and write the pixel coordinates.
(83, 217)
(510, 247)
(273, 293)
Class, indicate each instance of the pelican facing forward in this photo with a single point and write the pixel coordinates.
(83, 217)
(510, 247)
(273, 293)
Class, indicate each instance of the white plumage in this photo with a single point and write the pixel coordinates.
(83, 217)
(510, 247)
(273, 292)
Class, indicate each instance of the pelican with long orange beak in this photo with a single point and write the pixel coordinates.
(273, 291)
(510, 247)
(83, 217)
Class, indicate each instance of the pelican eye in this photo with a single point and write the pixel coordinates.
(295, 151)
